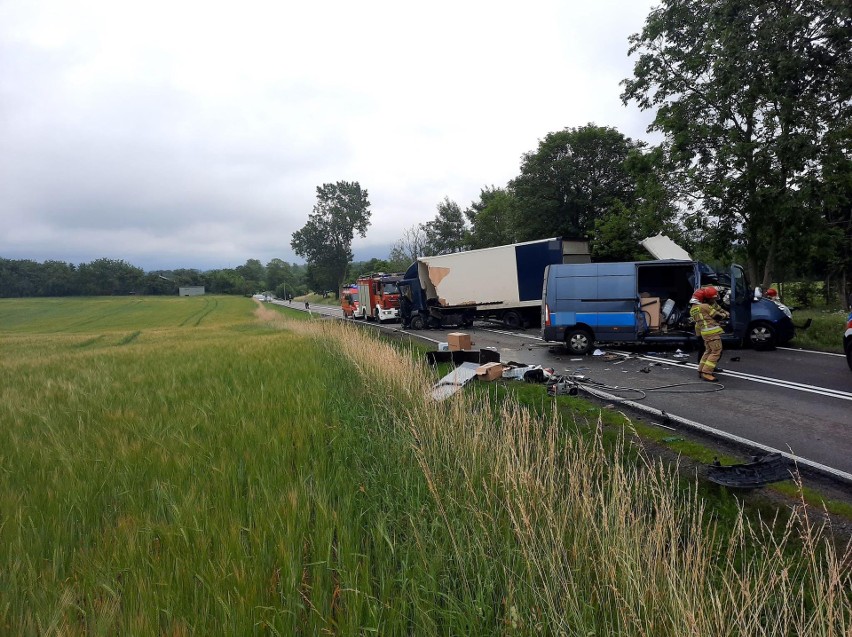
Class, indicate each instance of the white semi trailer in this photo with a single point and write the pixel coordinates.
(503, 283)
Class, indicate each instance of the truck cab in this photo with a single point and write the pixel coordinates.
(648, 302)
(379, 297)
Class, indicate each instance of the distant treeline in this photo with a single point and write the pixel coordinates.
(105, 277)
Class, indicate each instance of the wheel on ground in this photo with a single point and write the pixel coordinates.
(579, 341)
(761, 336)
(416, 322)
(512, 320)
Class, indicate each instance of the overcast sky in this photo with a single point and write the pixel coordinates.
(183, 134)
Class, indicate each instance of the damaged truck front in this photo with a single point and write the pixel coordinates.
(648, 302)
(502, 283)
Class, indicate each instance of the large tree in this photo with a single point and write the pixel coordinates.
(447, 232)
(572, 180)
(494, 218)
(747, 94)
(254, 274)
(325, 241)
(412, 244)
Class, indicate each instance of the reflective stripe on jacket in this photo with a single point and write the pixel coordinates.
(705, 319)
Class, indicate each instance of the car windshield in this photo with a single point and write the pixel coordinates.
(389, 288)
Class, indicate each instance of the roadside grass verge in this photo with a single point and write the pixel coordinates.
(825, 332)
(280, 476)
(604, 522)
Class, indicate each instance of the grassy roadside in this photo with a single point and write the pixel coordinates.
(282, 476)
(825, 332)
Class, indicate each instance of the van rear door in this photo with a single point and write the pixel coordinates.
(597, 296)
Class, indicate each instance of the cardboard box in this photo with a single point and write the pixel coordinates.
(651, 308)
(458, 341)
(489, 371)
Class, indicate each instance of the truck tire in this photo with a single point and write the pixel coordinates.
(416, 322)
(761, 336)
(513, 320)
(579, 341)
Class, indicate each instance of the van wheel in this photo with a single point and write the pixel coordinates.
(512, 320)
(579, 341)
(761, 336)
(416, 323)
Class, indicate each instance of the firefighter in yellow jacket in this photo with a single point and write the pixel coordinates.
(704, 312)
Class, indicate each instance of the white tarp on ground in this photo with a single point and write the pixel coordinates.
(454, 381)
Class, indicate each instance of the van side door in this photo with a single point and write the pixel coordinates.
(740, 302)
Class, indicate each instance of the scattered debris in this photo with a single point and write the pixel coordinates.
(459, 341)
(598, 352)
(457, 357)
(735, 359)
(645, 370)
(454, 381)
(761, 471)
(528, 373)
(489, 371)
(562, 388)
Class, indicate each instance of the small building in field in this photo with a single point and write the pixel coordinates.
(192, 290)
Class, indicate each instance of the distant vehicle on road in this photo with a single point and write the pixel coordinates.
(349, 300)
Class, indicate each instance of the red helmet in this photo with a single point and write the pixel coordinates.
(710, 292)
(698, 295)
(771, 293)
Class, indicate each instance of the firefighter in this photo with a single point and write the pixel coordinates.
(704, 312)
(772, 295)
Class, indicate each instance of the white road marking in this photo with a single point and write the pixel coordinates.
(811, 351)
(788, 384)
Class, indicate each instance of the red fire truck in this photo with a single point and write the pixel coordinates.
(379, 297)
(349, 300)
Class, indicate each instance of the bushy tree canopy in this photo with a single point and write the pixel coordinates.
(325, 241)
(750, 95)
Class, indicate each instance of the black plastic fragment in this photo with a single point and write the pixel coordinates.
(762, 471)
(463, 356)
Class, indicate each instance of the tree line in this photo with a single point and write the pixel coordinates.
(753, 100)
(103, 277)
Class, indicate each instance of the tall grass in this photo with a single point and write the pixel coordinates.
(281, 476)
(825, 332)
(549, 531)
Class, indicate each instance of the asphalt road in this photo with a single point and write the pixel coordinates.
(795, 401)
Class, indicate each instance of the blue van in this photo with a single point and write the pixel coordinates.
(648, 302)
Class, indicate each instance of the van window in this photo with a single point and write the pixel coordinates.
(740, 284)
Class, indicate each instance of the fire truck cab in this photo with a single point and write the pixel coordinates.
(349, 301)
(379, 297)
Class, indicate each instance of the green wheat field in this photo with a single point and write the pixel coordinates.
(211, 466)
